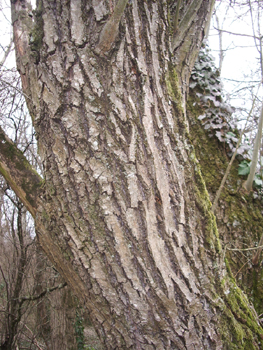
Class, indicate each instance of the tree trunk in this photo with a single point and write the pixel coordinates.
(56, 312)
(124, 213)
(62, 319)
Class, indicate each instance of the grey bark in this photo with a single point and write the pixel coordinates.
(125, 215)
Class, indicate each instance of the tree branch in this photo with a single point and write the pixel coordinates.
(22, 27)
(19, 174)
(185, 23)
(176, 16)
(111, 28)
(22, 21)
(245, 249)
(7, 52)
(238, 34)
(44, 292)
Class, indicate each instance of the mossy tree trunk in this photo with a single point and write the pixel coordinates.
(124, 213)
(238, 214)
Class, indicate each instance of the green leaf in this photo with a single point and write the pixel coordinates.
(244, 168)
(258, 182)
(231, 134)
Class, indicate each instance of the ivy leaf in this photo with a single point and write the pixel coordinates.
(192, 85)
(244, 168)
(258, 182)
(231, 134)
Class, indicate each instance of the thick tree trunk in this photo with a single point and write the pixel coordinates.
(125, 215)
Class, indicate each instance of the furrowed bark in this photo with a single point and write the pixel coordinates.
(126, 217)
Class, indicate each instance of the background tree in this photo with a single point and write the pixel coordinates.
(123, 212)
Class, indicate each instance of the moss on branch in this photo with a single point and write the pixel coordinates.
(19, 174)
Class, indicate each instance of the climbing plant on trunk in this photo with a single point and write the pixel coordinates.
(123, 211)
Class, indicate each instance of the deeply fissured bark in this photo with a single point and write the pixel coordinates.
(125, 215)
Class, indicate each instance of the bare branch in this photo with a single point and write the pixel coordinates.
(7, 52)
(238, 34)
(34, 340)
(44, 292)
(245, 249)
(221, 51)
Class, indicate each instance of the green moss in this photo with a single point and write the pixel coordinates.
(37, 33)
(257, 290)
(204, 204)
(173, 89)
(245, 331)
(237, 324)
(173, 86)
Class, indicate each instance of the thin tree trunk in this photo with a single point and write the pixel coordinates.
(56, 311)
(253, 167)
(62, 319)
(42, 314)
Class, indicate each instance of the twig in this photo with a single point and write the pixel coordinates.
(17, 89)
(245, 249)
(40, 295)
(238, 34)
(7, 52)
(240, 269)
(35, 342)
